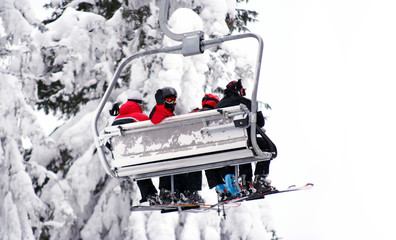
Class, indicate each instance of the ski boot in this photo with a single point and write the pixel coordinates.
(221, 191)
(154, 199)
(246, 186)
(191, 197)
(167, 197)
(231, 186)
(262, 184)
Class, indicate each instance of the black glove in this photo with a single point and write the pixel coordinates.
(159, 97)
(115, 110)
(170, 106)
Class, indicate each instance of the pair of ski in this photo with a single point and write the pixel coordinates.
(235, 202)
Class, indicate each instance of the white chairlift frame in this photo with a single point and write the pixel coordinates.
(192, 43)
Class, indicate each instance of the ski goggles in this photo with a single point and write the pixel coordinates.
(170, 99)
(242, 92)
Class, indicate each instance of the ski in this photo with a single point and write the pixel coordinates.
(255, 196)
(178, 207)
(276, 191)
(235, 202)
(164, 208)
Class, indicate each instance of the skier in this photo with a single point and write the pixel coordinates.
(186, 185)
(192, 182)
(234, 95)
(130, 112)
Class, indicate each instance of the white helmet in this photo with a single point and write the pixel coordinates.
(135, 96)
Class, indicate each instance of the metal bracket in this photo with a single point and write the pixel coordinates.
(241, 121)
(224, 113)
(191, 41)
(121, 133)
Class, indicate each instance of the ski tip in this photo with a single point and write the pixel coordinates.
(306, 186)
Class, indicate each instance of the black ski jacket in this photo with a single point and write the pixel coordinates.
(233, 99)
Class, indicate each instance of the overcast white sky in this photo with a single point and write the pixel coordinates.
(329, 73)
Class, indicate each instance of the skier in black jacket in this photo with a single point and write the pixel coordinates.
(234, 95)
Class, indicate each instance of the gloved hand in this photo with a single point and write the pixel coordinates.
(159, 97)
(115, 110)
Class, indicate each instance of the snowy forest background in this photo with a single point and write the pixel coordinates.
(52, 185)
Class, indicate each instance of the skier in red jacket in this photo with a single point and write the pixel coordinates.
(186, 185)
(209, 101)
(166, 102)
(130, 112)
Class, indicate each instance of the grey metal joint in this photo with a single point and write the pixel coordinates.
(244, 108)
(192, 43)
(253, 117)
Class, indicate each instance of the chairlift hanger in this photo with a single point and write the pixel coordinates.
(192, 43)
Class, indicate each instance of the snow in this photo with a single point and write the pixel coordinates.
(16, 18)
(11, 228)
(87, 171)
(213, 16)
(185, 20)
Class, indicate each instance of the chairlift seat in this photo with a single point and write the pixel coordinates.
(180, 144)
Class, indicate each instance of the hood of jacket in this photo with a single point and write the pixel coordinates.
(130, 107)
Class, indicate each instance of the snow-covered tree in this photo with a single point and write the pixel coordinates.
(53, 186)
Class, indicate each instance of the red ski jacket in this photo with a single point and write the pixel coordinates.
(159, 113)
(130, 112)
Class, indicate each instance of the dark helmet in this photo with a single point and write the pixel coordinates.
(169, 92)
(236, 87)
(210, 101)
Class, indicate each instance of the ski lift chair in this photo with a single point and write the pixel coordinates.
(184, 143)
